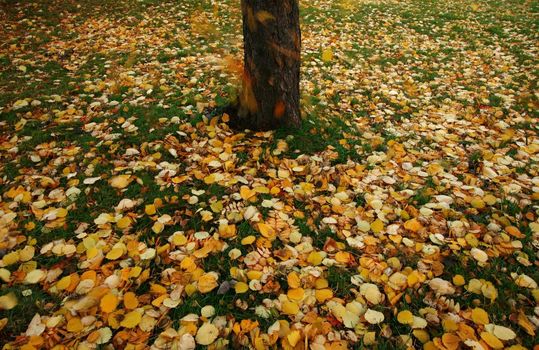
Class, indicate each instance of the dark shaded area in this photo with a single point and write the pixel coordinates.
(272, 42)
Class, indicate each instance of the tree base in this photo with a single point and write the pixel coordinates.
(272, 44)
(240, 119)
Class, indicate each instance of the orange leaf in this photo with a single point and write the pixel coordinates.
(266, 230)
(130, 300)
(74, 325)
(451, 341)
(109, 303)
(246, 193)
(293, 280)
(413, 225)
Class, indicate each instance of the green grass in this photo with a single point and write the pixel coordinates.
(32, 301)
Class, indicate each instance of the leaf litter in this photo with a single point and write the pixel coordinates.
(147, 224)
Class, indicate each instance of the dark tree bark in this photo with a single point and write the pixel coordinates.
(272, 42)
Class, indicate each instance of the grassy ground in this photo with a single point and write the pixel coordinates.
(413, 183)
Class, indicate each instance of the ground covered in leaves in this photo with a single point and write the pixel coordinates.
(403, 214)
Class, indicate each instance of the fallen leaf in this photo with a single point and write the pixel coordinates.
(373, 316)
(206, 334)
(8, 301)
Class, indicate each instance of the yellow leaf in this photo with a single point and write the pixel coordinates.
(290, 308)
(405, 317)
(421, 335)
(261, 189)
(248, 240)
(480, 316)
(206, 215)
(207, 334)
(535, 294)
(516, 346)
(92, 252)
(369, 338)
(188, 264)
(150, 209)
(131, 320)
(241, 287)
(371, 293)
(103, 218)
(124, 222)
(296, 293)
(327, 54)
(8, 301)
(489, 291)
(478, 203)
(206, 283)
(11, 258)
(63, 283)
(190, 289)
(321, 283)
(27, 253)
(322, 295)
(430, 346)
(115, 253)
(159, 300)
(217, 207)
(103, 335)
(208, 180)
(108, 303)
(158, 227)
(315, 258)
(490, 199)
(121, 181)
(179, 239)
(458, 280)
(491, 340)
(5, 274)
(525, 323)
(412, 278)
(254, 275)
(449, 325)
(227, 231)
(293, 337)
(61, 213)
(377, 226)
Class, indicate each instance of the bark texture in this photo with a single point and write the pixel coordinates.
(272, 43)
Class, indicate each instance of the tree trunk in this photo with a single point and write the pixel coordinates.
(272, 42)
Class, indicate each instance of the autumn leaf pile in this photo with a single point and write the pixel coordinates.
(403, 214)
